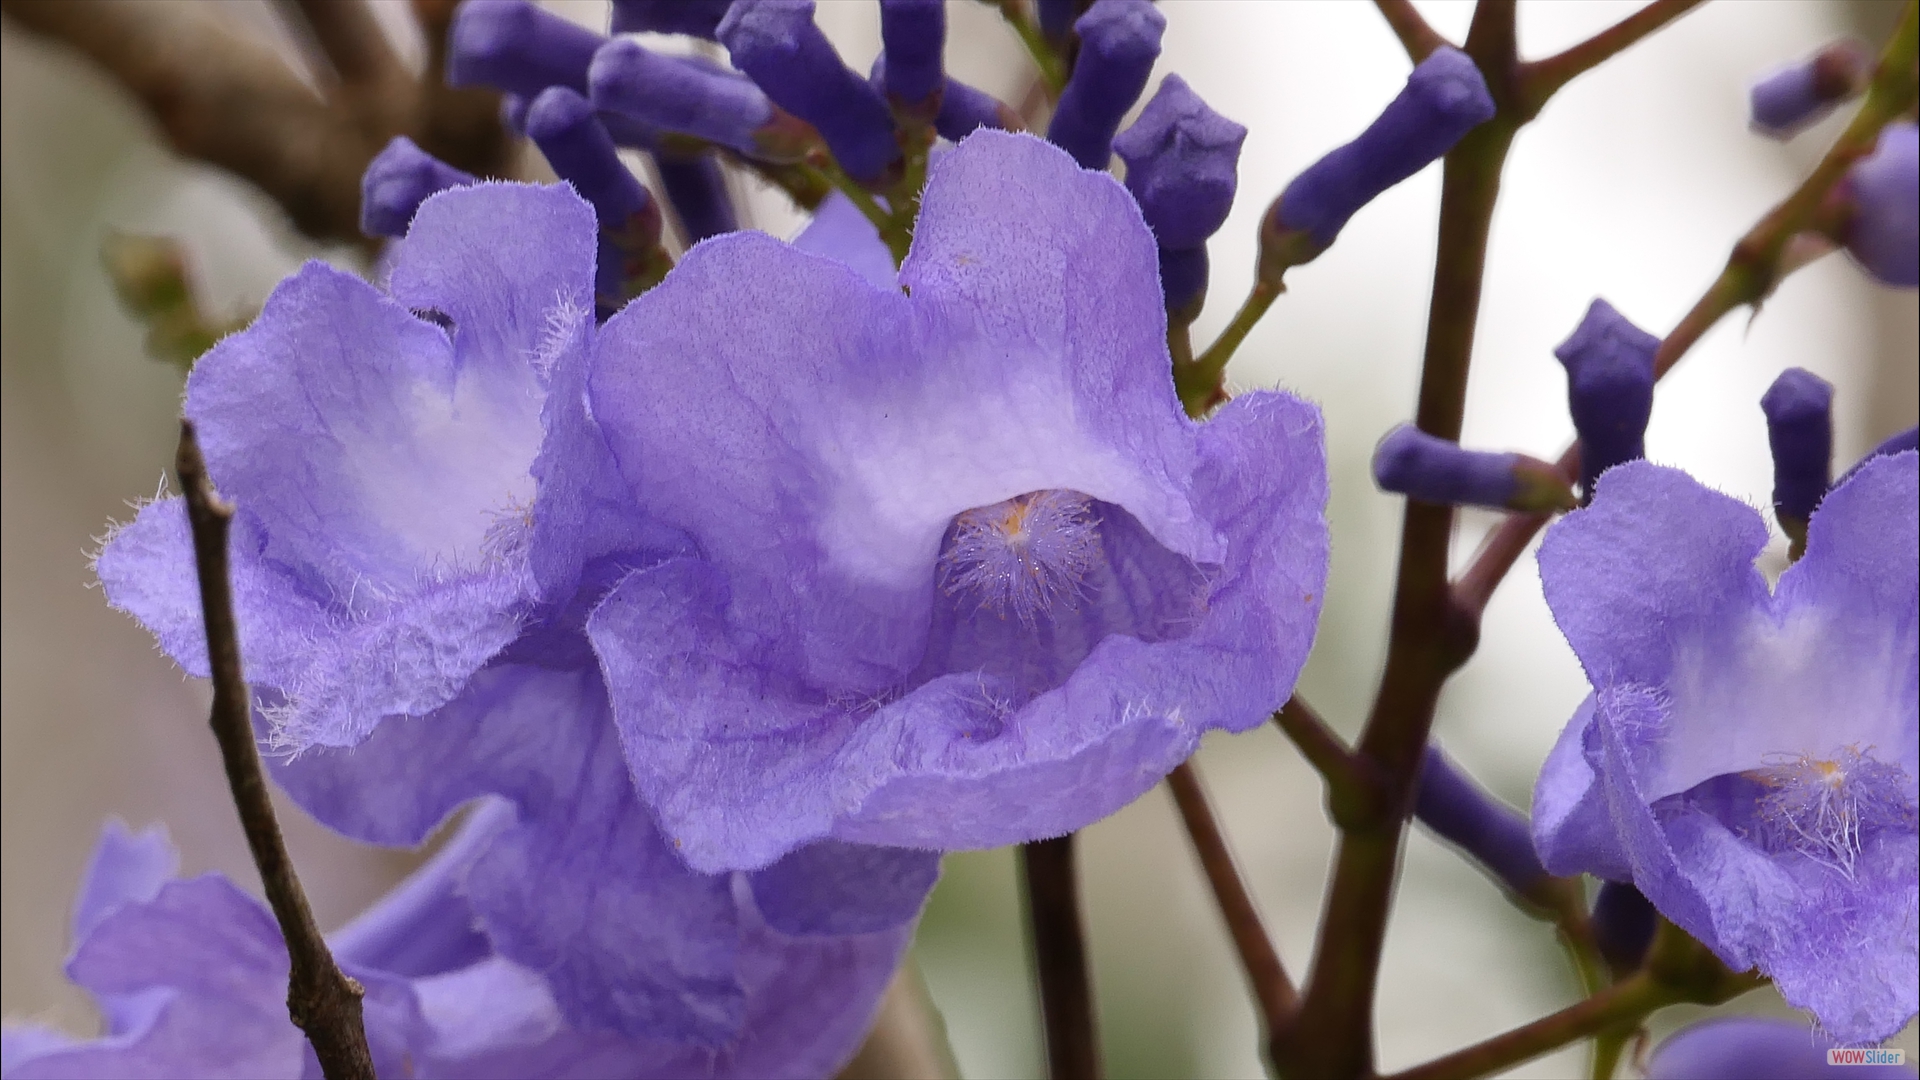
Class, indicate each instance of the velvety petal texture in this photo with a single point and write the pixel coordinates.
(1748, 759)
(964, 573)
(386, 452)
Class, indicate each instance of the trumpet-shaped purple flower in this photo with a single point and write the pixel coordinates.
(1755, 1048)
(966, 574)
(1747, 759)
(426, 513)
(191, 978)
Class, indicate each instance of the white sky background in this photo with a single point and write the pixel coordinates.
(1632, 185)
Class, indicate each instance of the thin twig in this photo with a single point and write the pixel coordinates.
(1265, 972)
(1627, 1000)
(1418, 38)
(1356, 792)
(1060, 959)
(352, 41)
(1539, 79)
(321, 1000)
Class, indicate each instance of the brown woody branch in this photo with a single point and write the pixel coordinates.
(228, 99)
(321, 1000)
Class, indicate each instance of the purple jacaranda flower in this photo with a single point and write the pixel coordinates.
(1119, 41)
(781, 49)
(1610, 377)
(695, 17)
(397, 181)
(914, 34)
(1444, 98)
(1795, 97)
(1756, 1048)
(1411, 462)
(426, 513)
(1883, 233)
(1747, 758)
(966, 573)
(1799, 411)
(192, 976)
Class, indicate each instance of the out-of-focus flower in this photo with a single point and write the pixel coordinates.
(516, 46)
(1793, 98)
(191, 977)
(1610, 377)
(426, 513)
(1747, 759)
(1755, 1048)
(1444, 98)
(966, 574)
(1119, 41)
(914, 34)
(1883, 232)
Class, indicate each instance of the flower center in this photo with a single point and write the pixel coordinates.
(1021, 556)
(1821, 807)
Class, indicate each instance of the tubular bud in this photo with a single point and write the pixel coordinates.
(777, 44)
(1444, 98)
(1411, 462)
(1493, 833)
(563, 125)
(397, 181)
(1609, 364)
(1119, 41)
(515, 46)
(1799, 409)
(914, 34)
(683, 95)
(1883, 231)
(1181, 159)
(1791, 99)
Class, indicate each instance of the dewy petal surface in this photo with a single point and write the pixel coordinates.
(806, 674)
(1755, 751)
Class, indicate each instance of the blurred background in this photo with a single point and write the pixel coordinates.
(1632, 185)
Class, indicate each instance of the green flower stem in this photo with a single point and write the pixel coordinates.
(1199, 382)
(864, 201)
(1053, 67)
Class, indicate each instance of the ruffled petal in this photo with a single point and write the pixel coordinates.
(1572, 830)
(835, 889)
(583, 889)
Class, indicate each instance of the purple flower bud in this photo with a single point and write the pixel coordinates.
(777, 44)
(697, 18)
(515, 46)
(1609, 364)
(1799, 408)
(678, 94)
(698, 195)
(1755, 1048)
(1119, 41)
(397, 181)
(1444, 98)
(1493, 833)
(1411, 462)
(1181, 157)
(562, 124)
(1183, 280)
(1623, 925)
(1884, 233)
(963, 109)
(1793, 98)
(914, 33)
(1906, 440)
(1056, 18)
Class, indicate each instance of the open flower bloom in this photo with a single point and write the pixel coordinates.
(426, 514)
(1747, 759)
(964, 573)
(191, 979)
